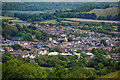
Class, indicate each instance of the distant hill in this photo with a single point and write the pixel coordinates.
(112, 75)
(51, 6)
(104, 12)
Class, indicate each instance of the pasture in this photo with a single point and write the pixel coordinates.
(104, 12)
(27, 12)
(6, 18)
(112, 75)
(50, 22)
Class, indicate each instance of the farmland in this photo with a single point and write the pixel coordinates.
(12, 19)
(70, 22)
(90, 20)
(104, 12)
(4, 17)
(50, 21)
(27, 12)
(16, 20)
(56, 22)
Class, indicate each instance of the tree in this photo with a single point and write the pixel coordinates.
(63, 58)
(10, 22)
(27, 59)
(19, 27)
(18, 69)
(106, 6)
(16, 46)
(59, 20)
(9, 30)
(103, 42)
(5, 58)
(60, 71)
(28, 20)
(99, 58)
(70, 39)
(76, 74)
(83, 55)
(99, 66)
(57, 49)
(27, 37)
(79, 51)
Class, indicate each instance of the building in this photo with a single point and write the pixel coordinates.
(66, 54)
(29, 55)
(53, 54)
(43, 51)
(9, 49)
(16, 38)
(107, 56)
(115, 56)
(89, 55)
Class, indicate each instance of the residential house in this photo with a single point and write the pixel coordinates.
(107, 56)
(115, 56)
(29, 55)
(16, 38)
(89, 55)
(108, 48)
(10, 49)
(43, 51)
(66, 54)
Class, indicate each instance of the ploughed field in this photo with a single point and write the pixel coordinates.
(90, 20)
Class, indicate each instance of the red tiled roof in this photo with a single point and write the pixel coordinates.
(9, 48)
(113, 54)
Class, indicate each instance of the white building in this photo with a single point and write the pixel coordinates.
(53, 54)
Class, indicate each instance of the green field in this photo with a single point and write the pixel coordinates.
(17, 21)
(111, 75)
(55, 22)
(27, 12)
(7, 18)
(13, 19)
(104, 12)
(24, 23)
(50, 21)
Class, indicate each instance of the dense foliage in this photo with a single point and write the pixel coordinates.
(57, 67)
(10, 31)
(106, 28)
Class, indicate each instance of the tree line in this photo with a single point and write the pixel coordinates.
(50, 67)
(62, 14)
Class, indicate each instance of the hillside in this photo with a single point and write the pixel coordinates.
(112, 75)
(49, 6)
(104, 12)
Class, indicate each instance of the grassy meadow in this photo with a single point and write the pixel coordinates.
(104, 12)
(111, 75)
(27, 12)
(50, 21)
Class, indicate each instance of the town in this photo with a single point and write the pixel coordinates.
(66, 44)
(60, 40)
